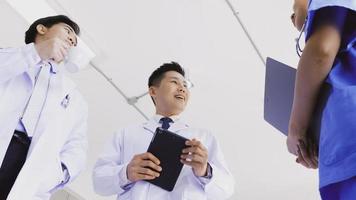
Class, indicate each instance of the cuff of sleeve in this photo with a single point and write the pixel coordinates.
(209, 175)
(31, 54)
(125, 183)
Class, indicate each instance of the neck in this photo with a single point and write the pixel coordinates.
(167, 113)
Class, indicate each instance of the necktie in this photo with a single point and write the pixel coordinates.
(165, 122)
(36, 102)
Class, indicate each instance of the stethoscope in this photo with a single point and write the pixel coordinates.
(298, 49)
(297, 40)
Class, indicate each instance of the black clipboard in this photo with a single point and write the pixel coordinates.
(167, 147)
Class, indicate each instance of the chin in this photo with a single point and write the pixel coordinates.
(180, 109)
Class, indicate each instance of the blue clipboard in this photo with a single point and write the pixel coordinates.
(278, 99)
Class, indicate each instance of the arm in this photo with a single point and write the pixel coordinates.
(220, 183)
(109, 175)
(112, 176)
(15, 61)
(313, 67)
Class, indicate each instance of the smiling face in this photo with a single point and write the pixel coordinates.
(171, 94)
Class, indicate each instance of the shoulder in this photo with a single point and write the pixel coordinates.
(19, 53)
(316, 4)
(27, 48)
(10, 49)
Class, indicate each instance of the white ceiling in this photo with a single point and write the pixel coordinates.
(134, 37)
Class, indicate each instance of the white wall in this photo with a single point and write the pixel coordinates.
(134, 37)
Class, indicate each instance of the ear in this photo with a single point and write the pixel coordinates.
(41, 29)
(152, 91)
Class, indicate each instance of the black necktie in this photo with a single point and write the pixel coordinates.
(165, 122)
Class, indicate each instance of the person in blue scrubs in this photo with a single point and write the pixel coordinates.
(328, 59)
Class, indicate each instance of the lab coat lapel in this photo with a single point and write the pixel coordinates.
(178, 125)
(9, 115)
(150, 125)
(51, 119)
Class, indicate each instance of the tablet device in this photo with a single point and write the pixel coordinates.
(167, 147)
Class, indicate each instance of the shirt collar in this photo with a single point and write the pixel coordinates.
(157, 117)
(54, 67)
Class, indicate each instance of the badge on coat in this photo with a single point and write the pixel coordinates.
(65, 102)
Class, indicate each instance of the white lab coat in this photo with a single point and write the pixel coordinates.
(61, 133)
(135, 140)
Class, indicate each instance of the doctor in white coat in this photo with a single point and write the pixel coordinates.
(42, 115)
(124, 165)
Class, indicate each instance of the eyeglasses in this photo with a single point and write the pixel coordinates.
(189, 84)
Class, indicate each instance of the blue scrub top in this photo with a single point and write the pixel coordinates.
(316, 4)
(337, 144)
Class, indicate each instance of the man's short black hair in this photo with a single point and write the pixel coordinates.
(48, 22)
(158, 74)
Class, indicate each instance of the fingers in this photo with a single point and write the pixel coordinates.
(59, 50)
(150, 156)
(196, 156)
(147, 171)
(196, 150)
(307, 157)
(300, 159)
(195, 143)
(314, 156)
(190, 157)
(306, 154)
(304, 158)
(143, 177)
(143, 167)
(194, 164)
(150, 164)
(313, 150)
(139, 173)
